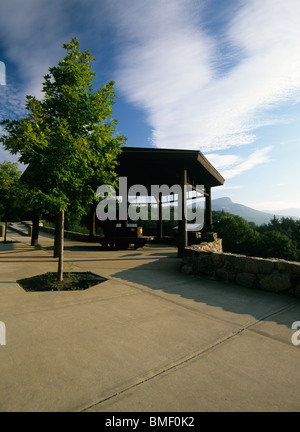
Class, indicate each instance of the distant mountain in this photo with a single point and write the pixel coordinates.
(248, 213)
(290, 212)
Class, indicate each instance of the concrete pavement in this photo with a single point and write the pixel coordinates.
(147, 339)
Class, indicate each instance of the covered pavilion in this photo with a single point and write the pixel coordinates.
(152, 166)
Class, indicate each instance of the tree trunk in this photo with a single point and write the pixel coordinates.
(5, 229)
(56, 238)
(60, 273)
(93, 220)
(35, 230)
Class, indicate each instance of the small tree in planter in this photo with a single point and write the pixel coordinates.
(67, 139)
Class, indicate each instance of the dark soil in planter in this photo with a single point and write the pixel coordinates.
(71, 282)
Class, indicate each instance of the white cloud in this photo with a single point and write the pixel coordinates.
(169, 67)
(32, 33)
(221, 161)
(258, 157)
(232, 165)
(173, 65)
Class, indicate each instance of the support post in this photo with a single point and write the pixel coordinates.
(123, 206)
(208, 210)
(159, 222)
(125, 222)
(182, 221)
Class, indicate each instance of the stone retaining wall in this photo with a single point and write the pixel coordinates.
(266, 274)
(214, 246)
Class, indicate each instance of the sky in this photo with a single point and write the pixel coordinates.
(218, 76)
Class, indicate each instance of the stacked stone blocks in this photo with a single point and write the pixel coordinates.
(270, 274)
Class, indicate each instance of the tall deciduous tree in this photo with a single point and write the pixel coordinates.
(68, 139)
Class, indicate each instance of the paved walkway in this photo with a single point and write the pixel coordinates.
(147, 339)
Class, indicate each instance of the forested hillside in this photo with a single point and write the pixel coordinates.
(280, 238)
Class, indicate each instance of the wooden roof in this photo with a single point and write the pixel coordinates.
(151, 166)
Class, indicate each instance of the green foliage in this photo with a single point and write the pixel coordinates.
(10, 190)
(217, 214)
(237, 235)
(276, 244)
(67, 139)
(278, 239)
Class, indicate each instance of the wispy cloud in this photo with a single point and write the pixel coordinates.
(200, 87)
(12, 103)
(169, 65)
(32, 33)
(11, 106)
(224, 161)
(256, 158)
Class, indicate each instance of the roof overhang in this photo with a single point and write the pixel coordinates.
(151, 166)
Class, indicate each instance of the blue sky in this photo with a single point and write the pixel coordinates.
(219, 76)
